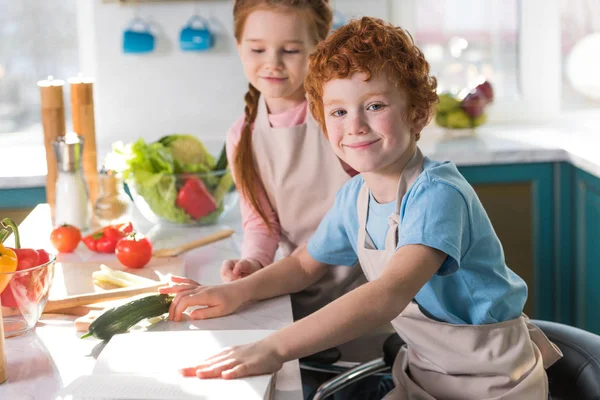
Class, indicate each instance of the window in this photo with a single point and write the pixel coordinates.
(580, 50)
(37, 38)
(513, 43)
(465, 40)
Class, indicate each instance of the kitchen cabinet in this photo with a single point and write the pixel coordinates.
(586, 217)
(18, 203)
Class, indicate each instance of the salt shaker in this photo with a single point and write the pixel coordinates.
(113, 205)
(72, 203)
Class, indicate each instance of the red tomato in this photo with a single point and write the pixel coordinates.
(134, 250)
(65, 238)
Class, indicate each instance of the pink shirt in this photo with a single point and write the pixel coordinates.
(259, 243)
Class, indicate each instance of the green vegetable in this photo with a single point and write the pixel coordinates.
(222, 161)
(188, 152)
(119, 319)
(225, 185)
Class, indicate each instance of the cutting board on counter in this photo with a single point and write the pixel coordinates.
(75, 278)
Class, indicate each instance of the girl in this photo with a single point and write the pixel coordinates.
(434, 264)
(281, 162)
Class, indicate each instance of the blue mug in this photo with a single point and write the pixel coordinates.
(339, 20)
(196, 38)
(137, 37)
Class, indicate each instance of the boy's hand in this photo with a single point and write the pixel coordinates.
(232, 270)
(218, 300)
(237, 362)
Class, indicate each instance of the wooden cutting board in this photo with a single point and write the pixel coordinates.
(73, 278)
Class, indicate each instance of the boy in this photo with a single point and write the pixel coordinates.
(435, 267)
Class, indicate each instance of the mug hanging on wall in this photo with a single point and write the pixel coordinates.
(196, 35)
(137, 37)
(339, 20)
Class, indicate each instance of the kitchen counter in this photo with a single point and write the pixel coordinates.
(51, 356)
(574, 139)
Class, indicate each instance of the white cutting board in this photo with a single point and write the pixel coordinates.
(143, 365)
(72, 278)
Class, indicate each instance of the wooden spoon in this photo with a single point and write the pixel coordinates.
(215, 237)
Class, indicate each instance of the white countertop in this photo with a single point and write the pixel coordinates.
(574, 139)
(51, 356)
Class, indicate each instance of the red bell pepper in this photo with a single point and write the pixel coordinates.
(105, 240)
(195, 199)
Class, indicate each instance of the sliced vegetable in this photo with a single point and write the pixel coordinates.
(120, 278)
(195, 199)
(120, 318)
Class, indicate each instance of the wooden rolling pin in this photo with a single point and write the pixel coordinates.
(78, 300)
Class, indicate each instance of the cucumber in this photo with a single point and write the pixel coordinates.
(120, 318)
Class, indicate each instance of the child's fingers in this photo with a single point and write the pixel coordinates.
(242, 268)
(175, 310)
(207, 313)
(176, 289)
(182, 279)
(215, 370)
(227, 270)
(239, 371)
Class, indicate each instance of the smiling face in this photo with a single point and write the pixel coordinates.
(274, 50)
(367, 122)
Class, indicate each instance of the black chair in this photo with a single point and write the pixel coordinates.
(576, 376)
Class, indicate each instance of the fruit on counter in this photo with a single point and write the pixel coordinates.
(120, 318)
(134, 250)
(467, 113)
(195, 199)
(458, 119)
(447, 103)
(65, 238)
(474, 103)
(105, 240)
(486, 89)
(32, 282)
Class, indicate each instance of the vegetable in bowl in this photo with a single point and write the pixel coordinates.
(176, 180)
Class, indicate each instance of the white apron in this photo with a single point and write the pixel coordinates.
(301, 175)
(504, 360)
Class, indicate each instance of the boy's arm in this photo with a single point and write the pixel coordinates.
(363, 309)
(289, 275)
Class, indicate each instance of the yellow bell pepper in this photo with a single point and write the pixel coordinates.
(8, 264)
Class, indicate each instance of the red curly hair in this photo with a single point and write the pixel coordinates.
(370, 46)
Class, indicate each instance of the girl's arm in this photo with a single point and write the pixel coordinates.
(259, 243)
(360, 311)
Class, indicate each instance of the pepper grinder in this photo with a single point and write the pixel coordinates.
(113, 205)
(72, 199)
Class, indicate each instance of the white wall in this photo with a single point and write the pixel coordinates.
(169, 91)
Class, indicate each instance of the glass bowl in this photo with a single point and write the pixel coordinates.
(24, 298)
(185, 199)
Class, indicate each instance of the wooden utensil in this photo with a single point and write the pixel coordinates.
(92, 298)
(215, 237)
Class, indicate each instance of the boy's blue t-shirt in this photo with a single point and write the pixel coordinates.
(442, 211)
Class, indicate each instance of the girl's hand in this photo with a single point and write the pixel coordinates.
(232, 270)
(218, 300)
(237, 362)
